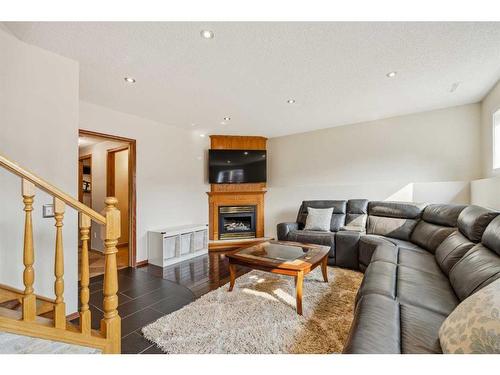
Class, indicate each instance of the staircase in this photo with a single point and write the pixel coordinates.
(43, 321)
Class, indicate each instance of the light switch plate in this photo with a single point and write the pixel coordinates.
(48, 210)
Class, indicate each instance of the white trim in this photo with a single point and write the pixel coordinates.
(495, 129)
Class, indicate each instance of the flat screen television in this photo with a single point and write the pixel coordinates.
(237, 166)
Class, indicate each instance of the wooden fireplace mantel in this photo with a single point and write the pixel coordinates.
(236, 194)
(244, 198)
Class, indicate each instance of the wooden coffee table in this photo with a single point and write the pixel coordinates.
(285, 258)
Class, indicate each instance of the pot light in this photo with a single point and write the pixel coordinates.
(129, 79)
(207, 34)
(227, 118)
(202, 135)
(391, 74)
(290, 101)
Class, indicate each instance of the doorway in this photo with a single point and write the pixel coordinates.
(107, 168)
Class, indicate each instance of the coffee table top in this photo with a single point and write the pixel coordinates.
(282, 255)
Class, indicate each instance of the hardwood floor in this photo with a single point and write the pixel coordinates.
(148, 293)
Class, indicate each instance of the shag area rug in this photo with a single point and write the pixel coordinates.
(259, 317)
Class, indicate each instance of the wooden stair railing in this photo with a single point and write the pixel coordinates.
(26, 321)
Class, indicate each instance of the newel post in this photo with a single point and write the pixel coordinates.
(111, 323)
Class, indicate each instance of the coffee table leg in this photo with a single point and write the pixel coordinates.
(299, 281)
(324, 269)
(232, 275)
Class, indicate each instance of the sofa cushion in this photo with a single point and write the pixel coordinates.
(376, 326)
(421, 260)
(419, 330)
(318, 219)
(386, 253)
(393, 219)
(426, 290)
(473, 221)
(429, 235)
(477, 268)
(491, 236)
(474, 326)
(404, 244)
(443, 214)
(451, 250)
(338, 216)
(380, 278)
(313, 237)
(402, 210)
(367, 246)
(357, 215)
(390, 227)
(357, 206)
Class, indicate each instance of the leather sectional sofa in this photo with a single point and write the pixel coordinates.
(420, 261)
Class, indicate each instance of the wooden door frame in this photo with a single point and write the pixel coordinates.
(132, 194)
(80, 177)
(110, 174)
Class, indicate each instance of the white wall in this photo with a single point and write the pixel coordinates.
(489, 105)
(428, 157)
(171, 163)
(486, 191)
(38, 130)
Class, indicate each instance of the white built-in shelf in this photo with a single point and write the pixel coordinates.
(175, 244)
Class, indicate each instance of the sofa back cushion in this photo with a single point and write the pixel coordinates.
(357, 213)
(473, 221)
(480, 266)
(338, 216)
(393, 219)
(438, 222)
(451, 250)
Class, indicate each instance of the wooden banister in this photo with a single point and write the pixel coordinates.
(108, 339)
(50, 189)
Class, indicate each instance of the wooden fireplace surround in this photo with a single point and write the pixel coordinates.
(235, 194)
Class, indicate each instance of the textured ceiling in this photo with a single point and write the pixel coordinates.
(336, 72)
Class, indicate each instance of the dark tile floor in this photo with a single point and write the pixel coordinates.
(148, 293)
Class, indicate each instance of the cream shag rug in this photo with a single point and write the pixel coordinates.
(259, 316)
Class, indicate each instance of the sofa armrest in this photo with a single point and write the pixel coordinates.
(346, 249)
(283, 229)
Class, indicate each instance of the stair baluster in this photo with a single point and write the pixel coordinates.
(60, 306)
(85, 317)
(29, 298)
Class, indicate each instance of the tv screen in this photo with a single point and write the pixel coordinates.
(236, 166)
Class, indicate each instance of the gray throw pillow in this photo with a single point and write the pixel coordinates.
(318, 218)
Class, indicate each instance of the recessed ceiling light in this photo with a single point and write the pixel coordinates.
(290, 101)
(129, 79)
(202, 135)
(227, 118)
(207, 34)
(391, 74)
(245, 153)
(193, 124)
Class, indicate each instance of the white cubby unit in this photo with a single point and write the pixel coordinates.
(172, 245)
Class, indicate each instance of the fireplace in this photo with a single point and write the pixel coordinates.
(236, 222)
